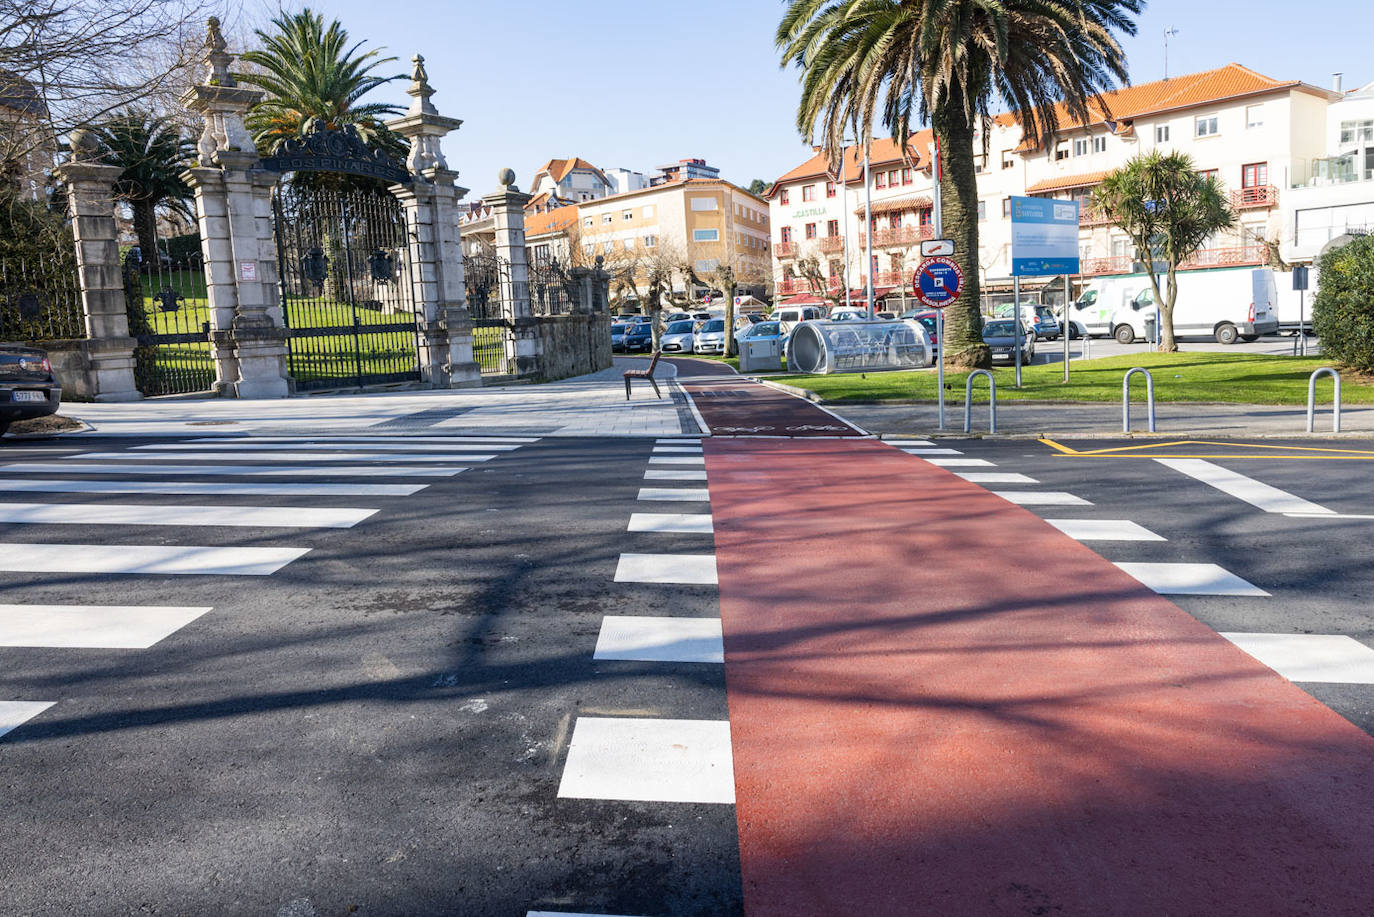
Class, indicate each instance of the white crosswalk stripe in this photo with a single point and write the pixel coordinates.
(314, 445)
(203, 488)
(151, 514)
(340, 471)
(321, 457)
(178, 560)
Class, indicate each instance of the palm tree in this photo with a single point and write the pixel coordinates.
(309, 71)
(153, 153)
(1169, 211)
(946, 63)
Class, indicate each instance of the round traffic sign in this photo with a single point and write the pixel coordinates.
(937, 282)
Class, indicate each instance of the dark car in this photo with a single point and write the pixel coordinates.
(28, 387)
(1000, 335)
(639, 337)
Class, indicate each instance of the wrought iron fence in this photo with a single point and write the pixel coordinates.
(169, 316)
(40, 298)
(487, 277)
(552, 290)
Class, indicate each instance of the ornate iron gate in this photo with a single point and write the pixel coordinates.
(487, 276)
(169, 316)
(552, 290)
(347, 298)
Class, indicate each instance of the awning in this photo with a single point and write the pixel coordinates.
(1064, 182)
(899, 205)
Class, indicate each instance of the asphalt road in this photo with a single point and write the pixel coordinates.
(377, 728)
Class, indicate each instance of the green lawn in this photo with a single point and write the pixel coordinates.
(1219, 377)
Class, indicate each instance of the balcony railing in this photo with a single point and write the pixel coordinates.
(791, 286)
(1089, 217)
(1262, 197)
(1207, 257)
(903, 235)
(785, 249)
(831, 244)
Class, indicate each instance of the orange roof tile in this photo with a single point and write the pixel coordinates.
(1061, 182)
(899, 205)
(539, 224)
(882, 153)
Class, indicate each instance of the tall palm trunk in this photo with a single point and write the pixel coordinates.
(145, 227)
(963, 346)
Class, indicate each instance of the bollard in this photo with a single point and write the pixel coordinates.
(992, 401)
(1126, 398)
(1312, 399)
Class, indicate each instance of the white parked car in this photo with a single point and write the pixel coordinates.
(678, 337)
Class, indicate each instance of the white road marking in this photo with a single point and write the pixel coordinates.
(995, 477)
(145, 559)
(39, 485)
(676, 494)
(932, 451)
(1190, 579)
(678, 440)
(677, 460)
(341, 471)
(1041, 498)
(685, 523)
(648, 639)
(401, 438)
(1104, 530)
(680, 450)
(1256, 493)
(907, 442)
(962, 463)
(316, 445)
(680, 569)
(649, 760)
(92, 626)
(14, 713)
(669, 474)
(1330, 658)
(1328, 515)
(318, 457)
(153, 514)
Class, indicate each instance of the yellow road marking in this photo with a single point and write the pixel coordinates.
(1140, 451)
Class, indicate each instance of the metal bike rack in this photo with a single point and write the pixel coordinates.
(992, 401)
(1312, 399)
(1126, 397)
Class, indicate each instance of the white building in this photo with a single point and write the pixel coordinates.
(567, 181)
(1334, 194)
(1254, 132)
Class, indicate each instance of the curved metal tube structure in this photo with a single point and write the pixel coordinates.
(992, 401)
(1126, 397)
(1312, 398)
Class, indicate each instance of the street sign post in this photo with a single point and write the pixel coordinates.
(1300, 284)
(1044, 242)
(938, 282)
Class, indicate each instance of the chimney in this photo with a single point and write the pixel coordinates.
(1336, 82)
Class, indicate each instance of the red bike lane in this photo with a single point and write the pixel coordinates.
(940, 704)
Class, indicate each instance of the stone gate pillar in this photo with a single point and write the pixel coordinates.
(508, 216)
(108, 349)
(234, 212)
(436, 254)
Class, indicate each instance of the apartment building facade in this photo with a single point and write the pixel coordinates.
(1333, 195)
(1250, 130)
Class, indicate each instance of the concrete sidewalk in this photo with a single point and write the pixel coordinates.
(591, 405)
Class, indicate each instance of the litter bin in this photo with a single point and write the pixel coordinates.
(1150, 329)
(760, 356)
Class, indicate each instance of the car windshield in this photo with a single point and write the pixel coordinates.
(715, 324)
(680, 327)
(765, 329)
(928, 322)
(998, 330)
(1044, 313)
(641, 328)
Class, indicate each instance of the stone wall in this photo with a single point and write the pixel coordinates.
(573, 345)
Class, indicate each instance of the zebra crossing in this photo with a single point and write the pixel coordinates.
(88, 540)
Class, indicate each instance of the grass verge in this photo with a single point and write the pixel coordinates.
(1201, 377)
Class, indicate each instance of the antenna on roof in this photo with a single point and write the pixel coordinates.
(1170, 32)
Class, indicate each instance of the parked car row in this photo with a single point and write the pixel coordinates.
(28, 387)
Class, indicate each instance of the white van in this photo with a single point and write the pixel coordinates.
(794, 314)
(1227, 304)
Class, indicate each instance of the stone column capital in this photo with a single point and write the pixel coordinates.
(81, 172)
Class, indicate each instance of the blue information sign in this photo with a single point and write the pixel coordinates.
(1044, 237)
(938, 282)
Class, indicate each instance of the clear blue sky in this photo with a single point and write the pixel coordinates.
(638, 84)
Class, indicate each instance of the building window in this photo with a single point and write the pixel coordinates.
(1254, 116)
(1206, 127)
(832, 229)
(1006, 208)
(1357, 131)
(786, 235)
(894, 221)
(892, 178)
(982, 211)
(589, 249)
(978, 164)
(1061, 151)
(628, 215)
(588, 222)
(880, 180)
(650, 241)
(830, 189)
(704, 203)
(1162, 133)
(811, 230)
(808, 192)
(906, 176)
(1080, 147)
(1099, 144)
(606, 218)
(1008, 158)
(875, 264)
(706, 235)
(1207, 173)
(782, 197)
(834, 270)
(1254, 175)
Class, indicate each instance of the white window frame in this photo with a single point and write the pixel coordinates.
(1081, 146)
(1201, 125)
(650, 241)
(700, 235)
(1161, 133)
(627, 215)
(1254, 116)
(1099, 144)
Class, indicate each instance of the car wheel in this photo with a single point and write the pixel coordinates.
(1124, 334)
(1227, 334)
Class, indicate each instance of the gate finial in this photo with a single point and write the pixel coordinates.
(420, 89)
(217, 56)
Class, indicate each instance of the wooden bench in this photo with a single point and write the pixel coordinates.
(643, 374)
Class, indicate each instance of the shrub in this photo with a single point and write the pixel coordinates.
(1343, 312)
(182, 248)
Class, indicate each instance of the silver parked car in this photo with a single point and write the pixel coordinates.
(678, 337)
